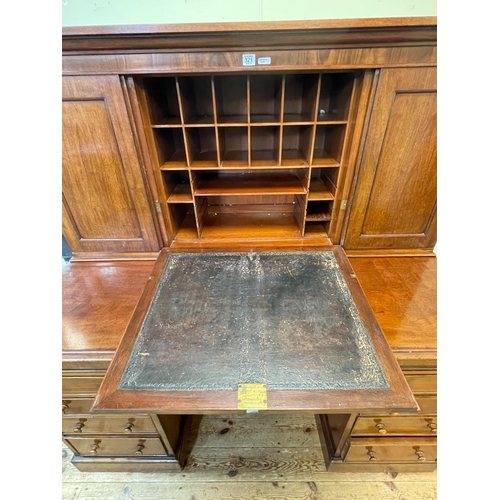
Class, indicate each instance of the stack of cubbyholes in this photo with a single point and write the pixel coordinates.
(248, 156)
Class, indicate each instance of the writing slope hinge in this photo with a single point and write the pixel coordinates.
(157, 206)
(343, 204)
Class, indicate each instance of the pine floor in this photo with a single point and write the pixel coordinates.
(249, 457)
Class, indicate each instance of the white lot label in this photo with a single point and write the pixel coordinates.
(264, 60)
(248, 59)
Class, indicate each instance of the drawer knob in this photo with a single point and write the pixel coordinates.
(372, 456)
(381, 428)
(432, 427)
(93, 449)
(64, 408)
(138, 449)
(128, 427)
(420, 455)
(78, 427)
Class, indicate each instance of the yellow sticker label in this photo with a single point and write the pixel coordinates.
(252, 397)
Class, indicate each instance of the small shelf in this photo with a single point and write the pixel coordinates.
(335, 96)
(328, 145)
(245, 183)
(265, 146)
(300, 97)
(318, 190)
(265, 99)
(319, 211)
(181, 194)
(197, 101)
(202, 146)
(296, 145)
(170, 148)
(231, 99)
(249, 225)
(163, 102)
(233, 143)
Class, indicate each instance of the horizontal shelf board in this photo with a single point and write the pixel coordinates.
(320, 216)
(295, 118)
(330, 119)
(249, 226)
(324, 158)
(265, 119)
(181, 194)
(187, 230)
(269, 158)
(253, 183)
(230, 166)
(167, 124)
(315, 230)
(293, 157)
(319, 191)
(235, 159)
(200, 120)
(205, 159)
(232, 120)
(178, 159)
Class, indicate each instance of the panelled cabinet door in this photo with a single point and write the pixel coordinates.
(105, 204)
(394, 203)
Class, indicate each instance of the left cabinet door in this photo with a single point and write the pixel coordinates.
(105, 202)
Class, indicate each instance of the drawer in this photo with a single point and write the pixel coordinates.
(76, 406)
(422, 383)
(368, 450)
(117, 446)
(81, 383)
(394, 426)
(108, 424)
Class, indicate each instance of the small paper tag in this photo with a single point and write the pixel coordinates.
(248, 59)
(264, 60)
(252, 397)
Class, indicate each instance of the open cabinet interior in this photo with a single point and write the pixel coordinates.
(242, 156)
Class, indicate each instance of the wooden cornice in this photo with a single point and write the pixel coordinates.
(372, 32)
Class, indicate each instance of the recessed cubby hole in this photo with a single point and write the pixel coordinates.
(265, 146)
(163, 102)
(328, 145)
(265, 98)
(323, 184)
(233, 143)
(197, 101)
(231, 99)
(318, 211)
(335, 96)
(177, 186)
(202, 146)
(170, 148)
(296, 145)
(300, 97)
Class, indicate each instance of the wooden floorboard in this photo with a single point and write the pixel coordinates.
(259, 457)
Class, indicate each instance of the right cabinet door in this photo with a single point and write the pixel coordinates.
(394, 202)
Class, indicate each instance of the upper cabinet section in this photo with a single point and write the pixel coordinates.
(394, 202)
(105, 204)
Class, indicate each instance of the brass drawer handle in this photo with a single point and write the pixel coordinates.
(381, 428)
(78, 427)
(432, 427)
(93, 449)
(128, 427)
(372, 456)
(420, 455)
(64, 408)
(138, 449)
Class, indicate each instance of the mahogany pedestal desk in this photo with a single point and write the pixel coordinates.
(315, 136)
(99, 301)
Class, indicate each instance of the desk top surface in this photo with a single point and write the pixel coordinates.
(296, 323)
(99, 299)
